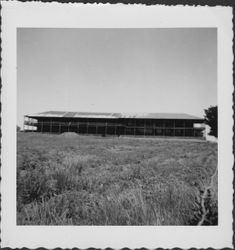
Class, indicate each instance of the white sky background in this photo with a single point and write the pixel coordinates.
(116, 70)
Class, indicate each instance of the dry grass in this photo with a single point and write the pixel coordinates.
(88, 180)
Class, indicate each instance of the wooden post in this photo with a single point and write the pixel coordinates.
(28, 125)
(144, 127)
(24, 124)
(174, 128)
(106, 128)
(59, 127)
(163, 128)
(32, 124)
(50, 126)
(184, 129)
(23, 127)
(42, 127)
(135, 127)
(153, 128)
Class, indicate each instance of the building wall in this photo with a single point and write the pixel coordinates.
(141, 127)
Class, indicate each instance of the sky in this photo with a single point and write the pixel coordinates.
(116, 70)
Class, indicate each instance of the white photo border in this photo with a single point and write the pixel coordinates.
(52, 15)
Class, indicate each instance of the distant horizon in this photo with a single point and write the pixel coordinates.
(146, 70)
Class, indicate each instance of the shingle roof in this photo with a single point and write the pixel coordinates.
(61, 114)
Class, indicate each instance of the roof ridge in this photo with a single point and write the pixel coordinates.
(137, 115)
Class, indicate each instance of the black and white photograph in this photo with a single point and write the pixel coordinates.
(119, 126)
(83, 158)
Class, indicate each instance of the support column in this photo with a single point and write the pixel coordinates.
(144, 127)
(106, 124)
(59, 127)
(33, 125)
(163, 128)
(135, 128)
(174, 128)
(24, 124)
(50, 126)
(42, 127)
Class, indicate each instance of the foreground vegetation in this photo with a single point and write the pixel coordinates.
(86, 180)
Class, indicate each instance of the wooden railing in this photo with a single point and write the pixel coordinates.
(99, 124)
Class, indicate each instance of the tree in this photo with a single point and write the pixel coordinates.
(211, 119)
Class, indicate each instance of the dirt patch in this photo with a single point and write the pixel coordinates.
(122, 148)
(69, 135)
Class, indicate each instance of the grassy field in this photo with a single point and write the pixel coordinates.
(88, 180)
